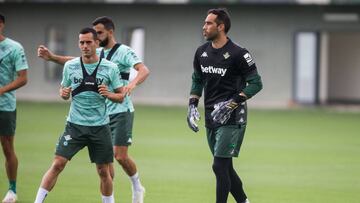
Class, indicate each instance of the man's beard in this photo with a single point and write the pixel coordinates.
(211, 37)
(105, 42)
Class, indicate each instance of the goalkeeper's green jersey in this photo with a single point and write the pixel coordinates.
(125, 58)
(12, 60)
(222, 73)
(88, 108)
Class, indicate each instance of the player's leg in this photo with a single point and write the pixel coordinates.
(129, 166)
(7, 137)
(101, 153)
(72, 140)
(236, 189)
(225, 143)
(11, 161)
(223, 182)
(112, 171)
(126, 162)
(106, 186)
(121, 127)
(50, 177)
(11, 165)
(220, 167)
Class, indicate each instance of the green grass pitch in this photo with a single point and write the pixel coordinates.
(288, 156)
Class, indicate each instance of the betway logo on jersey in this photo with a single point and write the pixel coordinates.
(212, 69)
(79, 80)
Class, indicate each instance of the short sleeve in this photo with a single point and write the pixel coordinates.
(130, 58)
(247, 64)
(20, 59)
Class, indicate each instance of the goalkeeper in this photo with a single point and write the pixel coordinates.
(228, 75)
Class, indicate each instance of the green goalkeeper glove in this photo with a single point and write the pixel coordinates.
(222, 110)
(193, 114)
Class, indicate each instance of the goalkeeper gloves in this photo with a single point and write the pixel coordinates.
(193, 114)
(222, 110)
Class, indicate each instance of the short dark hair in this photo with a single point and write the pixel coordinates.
(2, 18)
(223, 17)
(106, 21)
(89, 30)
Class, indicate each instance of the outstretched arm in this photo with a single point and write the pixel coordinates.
(46, 54)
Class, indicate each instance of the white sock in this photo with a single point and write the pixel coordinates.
(135, 180)
(108, 199)
(40, 196)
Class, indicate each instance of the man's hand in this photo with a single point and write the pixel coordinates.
(117, 96)
(129, 88)
(103, 90)
(193, 114)
(44, 52)
(222, 110)
(65, 92)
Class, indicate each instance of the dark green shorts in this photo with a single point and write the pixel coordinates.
(96, 138)
(7, 123)
(121, 125)
(225, 141)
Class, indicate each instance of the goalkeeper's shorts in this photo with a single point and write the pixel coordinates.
(225, 141)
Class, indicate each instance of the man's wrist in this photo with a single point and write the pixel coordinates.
(239, 98)
(193, 101)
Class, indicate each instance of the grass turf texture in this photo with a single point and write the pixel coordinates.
(288, 156)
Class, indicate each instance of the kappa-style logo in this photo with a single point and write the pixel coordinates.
(248, 59)
(226, 55)
(204, 54)
(129, 140)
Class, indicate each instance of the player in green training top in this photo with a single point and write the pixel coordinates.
(121, 114)
(228, 75)
(86, 79)
(13, 75)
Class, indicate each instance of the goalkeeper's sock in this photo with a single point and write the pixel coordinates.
(223, 182)
(108, 199)
(135, 180)
(40, 196)
(12, 185)
(236, 189)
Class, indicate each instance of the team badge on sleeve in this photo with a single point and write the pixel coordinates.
(249, 59)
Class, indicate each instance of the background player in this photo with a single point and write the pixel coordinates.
(13, 75)
(229, 77)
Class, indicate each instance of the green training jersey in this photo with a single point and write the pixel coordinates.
(88, 108)
(125, 58)
(12, 60)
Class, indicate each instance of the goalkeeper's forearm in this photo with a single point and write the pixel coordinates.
(254, 85)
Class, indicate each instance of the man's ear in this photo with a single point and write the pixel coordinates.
(111, 32)
(221, 27)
